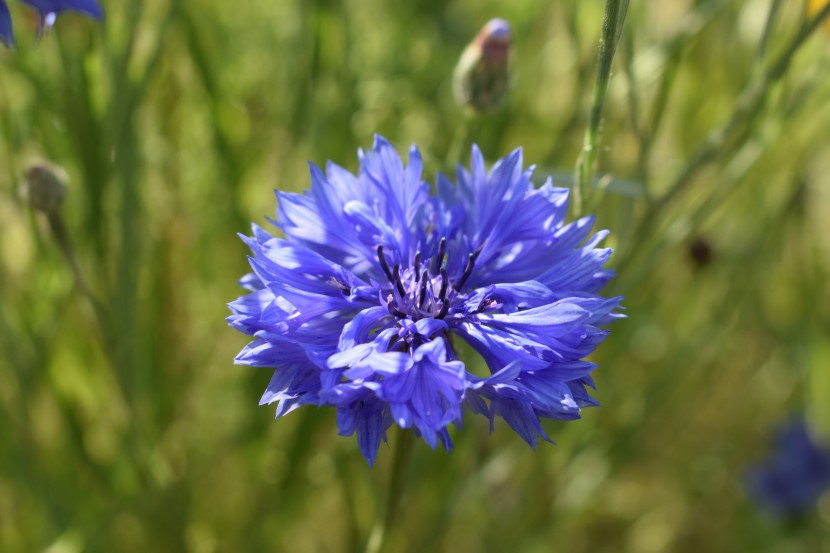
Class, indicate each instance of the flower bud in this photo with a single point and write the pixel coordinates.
(45, 186)
(480, 77)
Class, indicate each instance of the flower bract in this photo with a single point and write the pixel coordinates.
(377, 277)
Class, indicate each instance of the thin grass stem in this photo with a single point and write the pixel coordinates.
(386, 518)
(615, 12)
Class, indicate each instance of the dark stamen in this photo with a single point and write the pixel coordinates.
(422, 293)
(471, 261)
(396, 313)
(445, 307)
(383, 264)
(417, 266)
(397, 282)
(445, 280)
(439, 259)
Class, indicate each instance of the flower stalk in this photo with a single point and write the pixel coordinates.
(45, 188)
(612, 24)
(385, 518)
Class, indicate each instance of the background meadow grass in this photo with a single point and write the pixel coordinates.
(128, 428)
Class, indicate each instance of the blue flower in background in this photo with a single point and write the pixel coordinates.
(47, 11)
(358, 306)
(6, 29)
(794, 477)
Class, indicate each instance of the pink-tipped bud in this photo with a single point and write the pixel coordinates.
(480, 77)
(496, 31)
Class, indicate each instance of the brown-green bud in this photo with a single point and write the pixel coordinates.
(45, 186)
(480, 77)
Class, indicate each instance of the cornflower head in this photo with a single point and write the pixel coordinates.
(47, 11)
(797, 473)
(357, 306)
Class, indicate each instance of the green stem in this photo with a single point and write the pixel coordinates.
(385, 519)
(65, 244)
(615, 11)
(465, 134)
(774, 9)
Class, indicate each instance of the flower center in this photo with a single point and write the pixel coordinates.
(424, 291)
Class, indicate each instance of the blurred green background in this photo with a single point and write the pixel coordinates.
(126, 426)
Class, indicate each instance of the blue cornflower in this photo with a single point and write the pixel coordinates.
(47, 10)
(358, 305)
(794, 477)
(6, 29)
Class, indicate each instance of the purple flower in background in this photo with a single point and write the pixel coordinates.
(47, 10)
(794, 477)
(358, 305)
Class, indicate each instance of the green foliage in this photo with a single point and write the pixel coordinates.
(124, 425)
